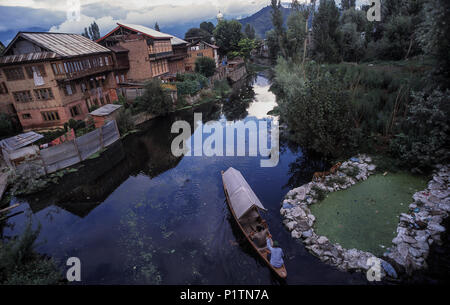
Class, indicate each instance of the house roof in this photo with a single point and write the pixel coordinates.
(242, 198)
(64, 45)
(148, 32)
(37, 56)
(201, 41)
(105, 110)
(19, 141)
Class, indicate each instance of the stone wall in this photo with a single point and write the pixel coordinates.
(416, 230)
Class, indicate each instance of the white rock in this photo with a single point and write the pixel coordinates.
(291, 225)
(322, 240)
(296, 234)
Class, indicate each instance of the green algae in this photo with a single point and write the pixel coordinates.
(365, 216)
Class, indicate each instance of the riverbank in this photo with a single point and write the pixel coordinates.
(416, 230)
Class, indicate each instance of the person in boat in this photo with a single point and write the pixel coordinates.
(275, 256)
(259, 237)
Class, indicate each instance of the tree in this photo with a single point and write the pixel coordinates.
(249, 31)
(352, 43)
(155, 99)
(246, 46)
(157, 27)
(197, 33)
(424, 141)
(434, 37)
(205, 66)
(315, 108)
(296, 34)
(207, 27)
(325, 34)
(272, 45)
(227, 35)
(92, 32)
(348, 4)
(6, 125)
(279, 30)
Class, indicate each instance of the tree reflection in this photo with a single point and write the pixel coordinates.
(235, 108)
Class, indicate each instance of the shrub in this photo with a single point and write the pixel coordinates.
(205, 66)
(155, 99)
(21, 265)
(6, 125)
(423, 140)
(125, 121)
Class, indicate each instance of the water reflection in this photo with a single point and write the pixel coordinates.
(139, 215)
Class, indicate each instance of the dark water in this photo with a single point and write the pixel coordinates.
(139, 215)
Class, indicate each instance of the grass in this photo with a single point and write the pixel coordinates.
(365, 216)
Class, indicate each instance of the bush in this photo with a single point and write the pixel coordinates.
(205, 66)
(155, 99)
(190, 83)
(21, 265)
(125, 121)
(423, 140)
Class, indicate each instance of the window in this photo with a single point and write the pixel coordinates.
(123, 77)
(75, 110)
(50, 116)
(22, 96)
(43, 94)
(83, 87)
(69, 89)
(199, 54)
(39, 69)
(14, 74)
(26, 116)
(3, 88)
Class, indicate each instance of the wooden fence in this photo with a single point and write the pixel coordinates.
(72, 152)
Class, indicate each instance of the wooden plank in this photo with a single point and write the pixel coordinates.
(10, 208)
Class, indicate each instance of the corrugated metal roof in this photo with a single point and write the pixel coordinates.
(105, 110)
(11, 59)
(65, 45)
(145, 30)
(242, 197)
(176, 41)
(19, 141)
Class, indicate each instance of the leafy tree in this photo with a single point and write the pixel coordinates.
(347, 4)
(325, 34)
(424, 139)
(155, 99)
(272, 45)
(207, 27)
(246, 46)
(249, 31)
(296, 34)
(279, 30)
(92, 32)
(125, 121)
(434, 37)
(227, 35)
(315, 108)
(205, 66)
(197, 33)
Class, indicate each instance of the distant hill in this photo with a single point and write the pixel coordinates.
(262, 20)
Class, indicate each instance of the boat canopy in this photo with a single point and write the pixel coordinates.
(242, 197)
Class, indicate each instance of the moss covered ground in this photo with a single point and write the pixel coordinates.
(365, 216)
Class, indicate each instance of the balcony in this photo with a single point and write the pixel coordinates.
(84, 73)
(162, 55)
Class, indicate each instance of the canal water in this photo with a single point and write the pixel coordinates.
(139, 215)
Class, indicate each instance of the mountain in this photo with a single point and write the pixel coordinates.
(262, 20)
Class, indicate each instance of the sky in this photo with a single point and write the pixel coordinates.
(173, 16)
(51, 15)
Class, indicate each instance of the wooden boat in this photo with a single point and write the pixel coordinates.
(245, 206)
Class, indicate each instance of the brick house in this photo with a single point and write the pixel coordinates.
(53, 77)
(200, 49)
(151, 53)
